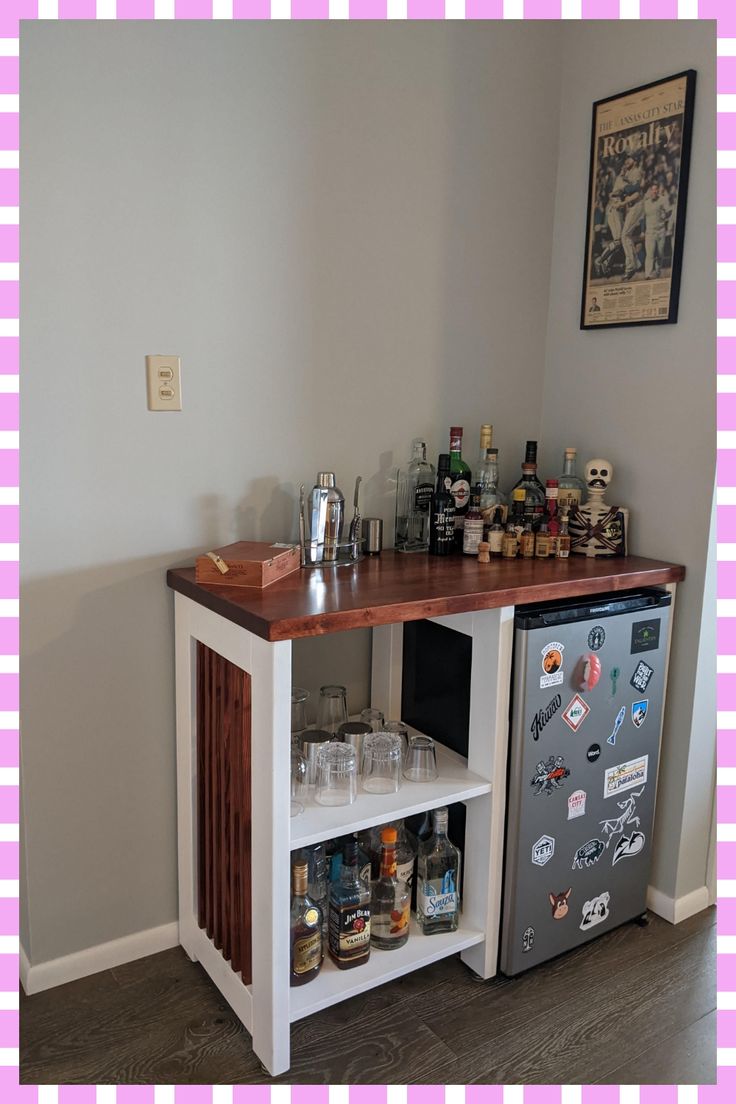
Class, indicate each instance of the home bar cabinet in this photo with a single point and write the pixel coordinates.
(233, 695)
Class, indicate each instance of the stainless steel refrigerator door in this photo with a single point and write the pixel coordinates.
(582, 777)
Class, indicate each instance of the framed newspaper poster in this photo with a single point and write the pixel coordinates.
(637, 193)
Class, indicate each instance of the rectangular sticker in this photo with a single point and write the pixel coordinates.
(625, 776)
(645, 635)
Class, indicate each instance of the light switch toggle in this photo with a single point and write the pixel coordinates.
(163, 378)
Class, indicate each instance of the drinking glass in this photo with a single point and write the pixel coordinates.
(400, 729)
(373, 717)
(381, 762)
(421, 760)
(298, 781)
(298, 712)
(333, 708)
(337, 775)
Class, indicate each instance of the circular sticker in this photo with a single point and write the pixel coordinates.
(596, 638)
(552, 661)
(311, 916)
(593, 752)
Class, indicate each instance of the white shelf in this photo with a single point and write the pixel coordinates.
(455, 783)
(333, 985)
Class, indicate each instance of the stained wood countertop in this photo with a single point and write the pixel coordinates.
(392, 587)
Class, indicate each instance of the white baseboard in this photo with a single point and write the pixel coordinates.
(58, 971)
(677, 909)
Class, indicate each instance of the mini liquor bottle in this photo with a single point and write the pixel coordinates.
(535, 498)
(306, 929)
(510, 546)
(494, 535)
(563, 541)
(552, 514)
(526, 541)
(542, 543)
(414, 487)
(438, 875)
(572, 489)
(460, 485)
(517, 517)
(442, 512)
(350, 913)
(473, 527)
(390, 900)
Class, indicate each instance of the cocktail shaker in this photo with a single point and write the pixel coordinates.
(327, 514)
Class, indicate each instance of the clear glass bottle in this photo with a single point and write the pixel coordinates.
(473, 527)
(530, 484)
(305, 930)
(438, 877)
(487, 484)
(406, 853)
(442, 519)
(414, 487)
(318, 884)
(486, 440)
(460, 485)
(350, 913)
(572, 489)
(390, 900)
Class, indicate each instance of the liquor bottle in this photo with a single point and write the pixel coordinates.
(486, 482)
(542, 543)
(306, 929)
(350, 913)
(442, 512)
(390, 900)
(438, 870)
(563, 541)
(422, 830)
(526, 541)
(494, 536)
(406, 853)
(552, 514)
(535, 498)
(318, 882)
(460, 487)
(518, 510)
(572, 489)
(486, 440)
(510, 546)
(414, 487)
(473, 527)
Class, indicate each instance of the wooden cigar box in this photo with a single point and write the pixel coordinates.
(248, 564)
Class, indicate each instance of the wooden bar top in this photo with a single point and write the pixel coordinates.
(395, 586)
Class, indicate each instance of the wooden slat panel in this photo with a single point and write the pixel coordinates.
(224, 806)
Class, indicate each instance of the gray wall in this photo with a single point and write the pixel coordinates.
(341, 230)
(645, 399)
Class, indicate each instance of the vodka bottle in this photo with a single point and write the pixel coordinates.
(438, 875)
(390, 900)
(414, 488)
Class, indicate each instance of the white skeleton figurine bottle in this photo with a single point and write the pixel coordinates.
(596, 528)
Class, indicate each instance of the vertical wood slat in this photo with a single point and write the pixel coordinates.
(224, 806)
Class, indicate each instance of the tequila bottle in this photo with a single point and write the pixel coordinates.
(390, 900)
(438, 875)
(414, 489)
(350, 913)
(306, 929)
(534, 491)
(572, 489)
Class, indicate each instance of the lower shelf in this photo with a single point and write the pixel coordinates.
(335, 985)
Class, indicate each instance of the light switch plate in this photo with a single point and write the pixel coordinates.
(163, 379)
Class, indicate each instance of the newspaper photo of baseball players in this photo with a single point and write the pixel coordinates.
(637, 191)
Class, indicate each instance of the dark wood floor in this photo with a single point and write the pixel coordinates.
(636, 1006)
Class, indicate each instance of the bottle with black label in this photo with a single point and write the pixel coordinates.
(534, 491)
(460, 487)
(414, 487)
(350, 913)
(306, 929)
(442, 516)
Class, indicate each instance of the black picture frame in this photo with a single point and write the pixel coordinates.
(639, 138)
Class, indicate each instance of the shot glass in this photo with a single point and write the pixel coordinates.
(298, 781)
(421, 760)
(337, 775)
(298, 712)
(333, 708)
(374, 718)
(381, 762)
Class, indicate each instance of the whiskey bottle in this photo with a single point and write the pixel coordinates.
(527, 541)
(473, 527)
(438, 874)
(563, 540)
(494, 536)
(572, 489)
(542, 543)
(460, 485)
(306, 929)
(350, 913)
(414, 487)
(390, 900)
(442, 512)
(529, 483)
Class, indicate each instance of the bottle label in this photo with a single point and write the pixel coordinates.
(350, 932)
(495, 539)
(405, 872)
(391, 925)
(569, 498)
(472, 535)
(543, 543)
(510, 545)
(460, 491)
(437, 896)
(307, 952)
(563, 548)
(422, 498)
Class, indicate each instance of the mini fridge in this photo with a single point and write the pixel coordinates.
(586, 718)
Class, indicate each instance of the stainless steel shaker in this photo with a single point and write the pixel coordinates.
(327, 514)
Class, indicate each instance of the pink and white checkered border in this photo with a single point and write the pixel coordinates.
(10, 13)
